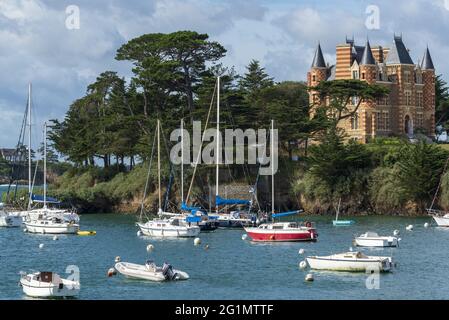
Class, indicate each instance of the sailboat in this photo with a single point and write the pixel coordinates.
(440, 217)
(337, 222)
(33, 213)
(160, 227)
(234, 219)
(46, 222)
(281, 231)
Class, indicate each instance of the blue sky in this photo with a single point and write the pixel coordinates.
(36, 46)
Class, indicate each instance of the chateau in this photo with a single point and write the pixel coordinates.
(410, 106)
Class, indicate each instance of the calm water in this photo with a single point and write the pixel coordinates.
(231, 268)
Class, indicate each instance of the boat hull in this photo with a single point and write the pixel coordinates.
(360, 265)
(384, 242)
(171, 232)
(63, 228)
(46, 290)
(441, 221)
(257, 234)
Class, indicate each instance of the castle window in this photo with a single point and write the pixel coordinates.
(355, 74)
(355, 100)
(408, 98)
(313, 78)
(407, 77)
(355, 121)
(379, 122)
(363, 75)
(419, 120)
(386, 118)
(419, 99)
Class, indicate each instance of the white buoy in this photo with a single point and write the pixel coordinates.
(139, 233)
(309, 277)
(25, 230)
(302, 265)
(197, 241)
(244, 236)
(117, 259)
(409, 227)
(426, 225)
(301, 251)
(150, 248)
(206, 247)
(396, 232)
(111, 272)
(55, 237)
(41, 246)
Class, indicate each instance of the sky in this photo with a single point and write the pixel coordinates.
(39, 44)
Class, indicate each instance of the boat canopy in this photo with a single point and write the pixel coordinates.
(191, 218)
(40, 199)
(288, 213)
(193, 210)
(219, 201)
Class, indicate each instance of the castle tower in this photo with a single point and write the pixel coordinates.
(317, 73)
(401, 68)
(368, 67)
(428, 79)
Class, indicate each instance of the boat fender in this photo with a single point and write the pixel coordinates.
(272, 237)
(139, 233)
(117, 259)
(111, 272)
(303, 265)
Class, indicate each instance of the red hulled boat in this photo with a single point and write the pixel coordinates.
(283, 231)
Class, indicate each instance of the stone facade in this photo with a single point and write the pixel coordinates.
(410, 106)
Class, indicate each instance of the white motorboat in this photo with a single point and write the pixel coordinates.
(51, 225)
(168, 228)
(150, 271)
(350, 261)
(8, 219)
(47, 285)
(372, 239)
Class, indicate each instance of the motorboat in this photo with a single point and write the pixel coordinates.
(351, 261)
(171, 227)
(51, 225)
(234, 219)
(372, 239)
(9, 220)
(283, 231)
(150, 271)
(47, 285)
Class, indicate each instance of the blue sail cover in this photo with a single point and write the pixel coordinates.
(39, 199)
(193, 218)
(288, 213)
(220, 201)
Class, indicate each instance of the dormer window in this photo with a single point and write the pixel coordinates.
(355, 74)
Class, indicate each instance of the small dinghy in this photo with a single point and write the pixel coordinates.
(350, 261)
(48, 285)
(337, 222)
(150, 271)
(372, 239)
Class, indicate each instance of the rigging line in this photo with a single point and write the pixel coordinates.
(142, 206)
(32, 185)
(172, 169)
(439, 184)
(202, 140)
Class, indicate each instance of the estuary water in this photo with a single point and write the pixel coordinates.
(231, 268)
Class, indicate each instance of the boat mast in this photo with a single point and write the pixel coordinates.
(272, 166)
(45, 165)
(182, 161)
(338, 209)
(29, 146)
(218, 143)
(159, 164)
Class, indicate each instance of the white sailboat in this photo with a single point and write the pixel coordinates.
(46, 222)
(372, 239)
(8, 219)
(161, 227)
(351, 262)
(440, 217)
(34, 213)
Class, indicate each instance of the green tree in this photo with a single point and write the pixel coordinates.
(441, 100)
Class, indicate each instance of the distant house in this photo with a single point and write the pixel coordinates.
(7, 154)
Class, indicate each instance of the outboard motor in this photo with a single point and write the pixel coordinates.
(167, 271)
